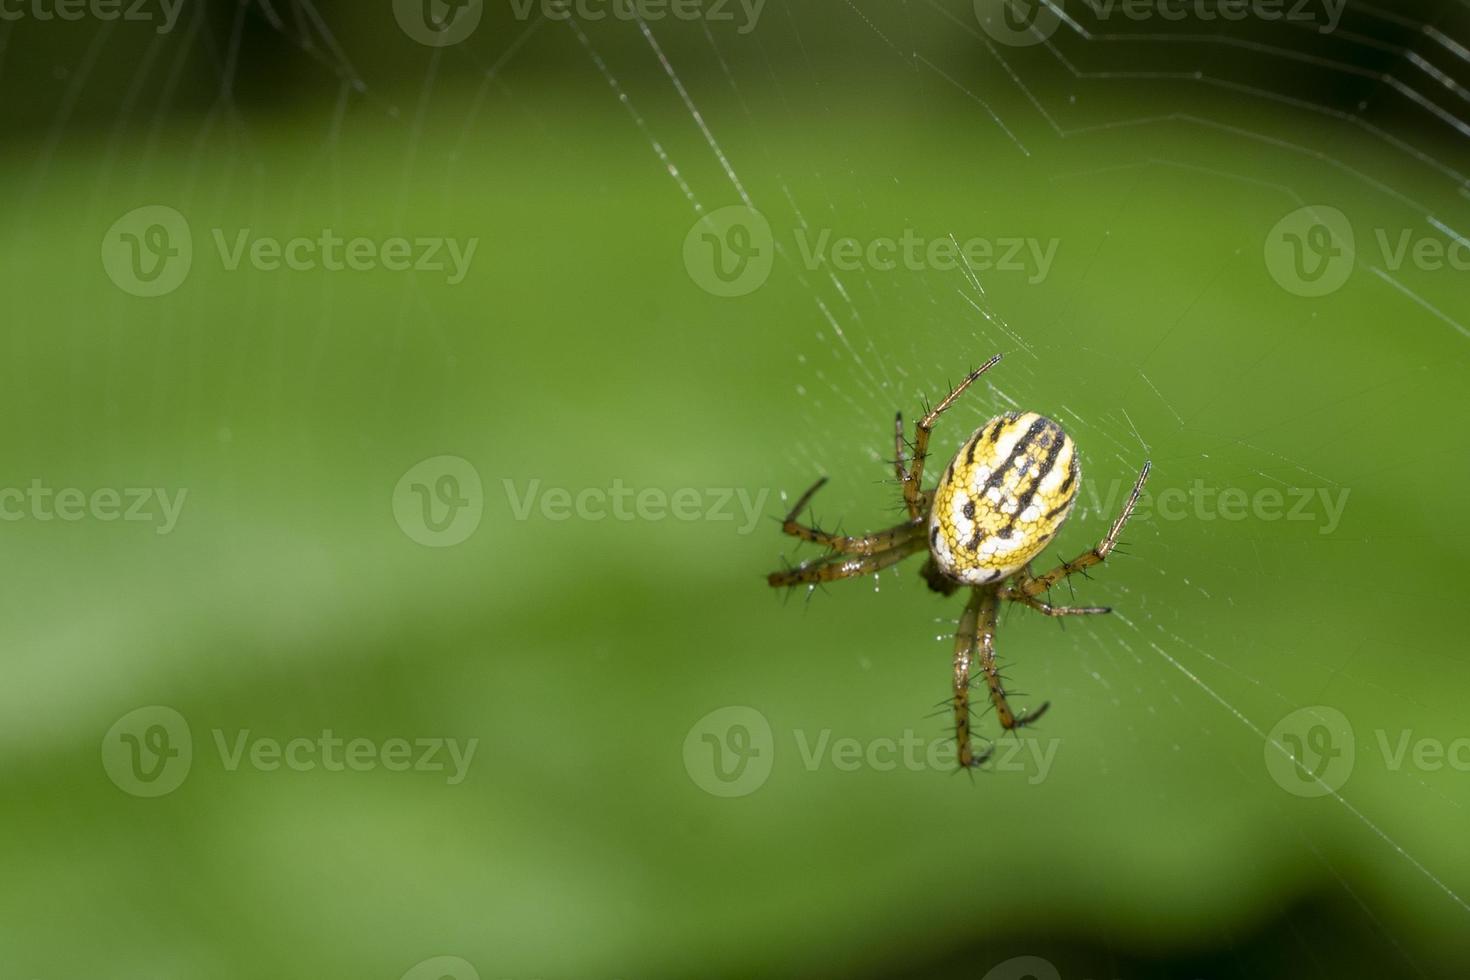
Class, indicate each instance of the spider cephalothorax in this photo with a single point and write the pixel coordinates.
(1001, 501)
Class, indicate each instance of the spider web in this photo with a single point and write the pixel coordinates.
(1112, 137)
(1033, 108)
(1032, 115)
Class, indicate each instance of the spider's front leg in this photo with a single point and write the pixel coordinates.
(867, 544)
(913, 478)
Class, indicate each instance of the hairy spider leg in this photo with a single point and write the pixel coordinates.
(866, 544)
(966, 639)
(913, 479)
(1009, 720)
(830, 568)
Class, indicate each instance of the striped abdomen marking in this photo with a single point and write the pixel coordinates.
(1008, 491)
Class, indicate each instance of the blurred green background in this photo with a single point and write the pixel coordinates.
(608, 824)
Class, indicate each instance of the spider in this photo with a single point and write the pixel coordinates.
(1002, 499)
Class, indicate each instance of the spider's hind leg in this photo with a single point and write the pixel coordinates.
(1009, 720)
(966, 639)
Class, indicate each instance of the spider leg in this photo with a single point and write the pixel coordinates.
(1032, 586)
(1046, 609)
(898, 448)
(965, 641)
(1009, 720)
(831, 567)
(867, 544)
(913, 479)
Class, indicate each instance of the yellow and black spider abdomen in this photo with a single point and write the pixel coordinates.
(1003, 498)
